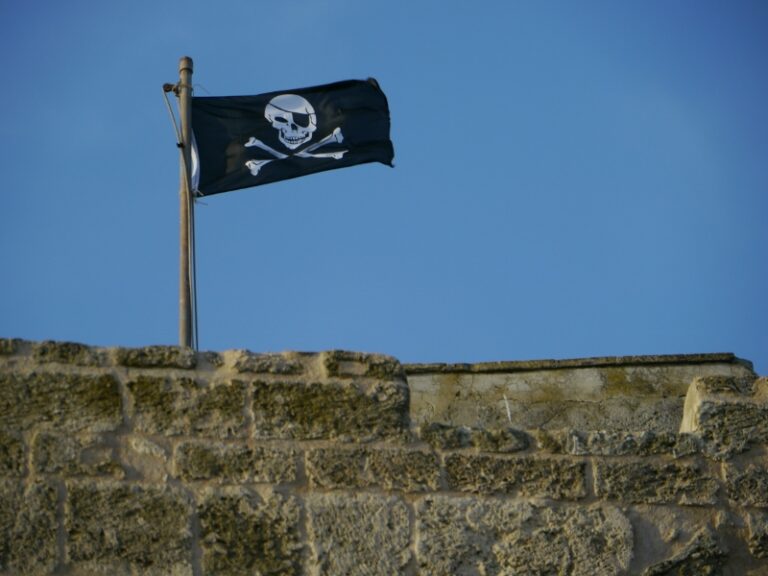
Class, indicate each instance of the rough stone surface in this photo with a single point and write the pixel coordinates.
(644, 482)
(561, 479)
(629, 393)
(729, 413)
(757, 540)
(748, 487)
(28, 528)
(614, 443)
(183, 406)
(402, 470)
(278, 364)
(9, 346)
(165, 462)
(69, 455)
(11, 454)
(244, 534)
(349, 410)
(235, 463)
(503, 440)
(156, 357)
(336, 524)
(344, 364)
(120, 526)
(66, 402)
(68, 353)
(703, 555)
(469, 536)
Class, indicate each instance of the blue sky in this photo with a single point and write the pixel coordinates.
(572, 179)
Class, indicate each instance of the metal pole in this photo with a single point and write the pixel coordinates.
(186, 207)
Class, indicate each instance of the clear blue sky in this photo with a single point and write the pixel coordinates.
(572, 179)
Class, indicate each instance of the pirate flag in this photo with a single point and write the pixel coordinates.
(243, 141)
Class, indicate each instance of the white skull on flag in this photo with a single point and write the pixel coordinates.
(293, 117)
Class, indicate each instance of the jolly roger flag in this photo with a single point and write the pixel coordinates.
(243, 141)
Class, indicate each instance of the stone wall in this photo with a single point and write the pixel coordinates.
(162, 461)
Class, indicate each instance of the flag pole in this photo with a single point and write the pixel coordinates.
(186, 206)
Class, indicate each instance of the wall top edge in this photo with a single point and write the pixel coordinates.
(597, 362)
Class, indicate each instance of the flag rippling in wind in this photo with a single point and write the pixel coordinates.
(244, 141)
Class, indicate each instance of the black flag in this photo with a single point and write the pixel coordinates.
(243, 141)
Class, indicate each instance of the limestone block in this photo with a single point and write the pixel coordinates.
(244, 534)
(74, 455)
(235, 463)
(729, 413)
(345, 364)
(629, 393)
(287, 363)
(391, 469)
(144, 459)
(618, 443)
(748, 487)
(68, 353)
(113, 527)
(66, 402)
(404, 470)
(703, 555)
(28, 528)
(558, 478)
(11, 454)
(757, 538)
(337, 468)
(471, 536)
(156, 357)
(643, 482)
(175, 406)
(446, 437)
(358, 534)
(9, 346)
(352, 410)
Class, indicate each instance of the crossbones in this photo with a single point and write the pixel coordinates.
(335, 137)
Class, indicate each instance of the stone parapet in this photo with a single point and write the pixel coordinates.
(163, 461)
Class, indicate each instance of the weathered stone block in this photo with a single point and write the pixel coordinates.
(345, 364)
(156, 357)
(10, 499)
(651, 483)
(757, 537)
(446, 437)
(402, 470)
(235, 463)
(70, 455)
(337, 523)
(183, 406)
(614, 443)
(243, 534)
(470, 536)
(748, 487)
(702, 556)
(348, 411)
(539, 477)
(120, 527)
(730, 414)
(68, 402)
(68, 353)
(9, 346)
(144, 459)
(336, 468)
(28, 528)
(287, 363)
(11, 454)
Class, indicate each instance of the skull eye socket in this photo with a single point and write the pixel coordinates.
(280, 120)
